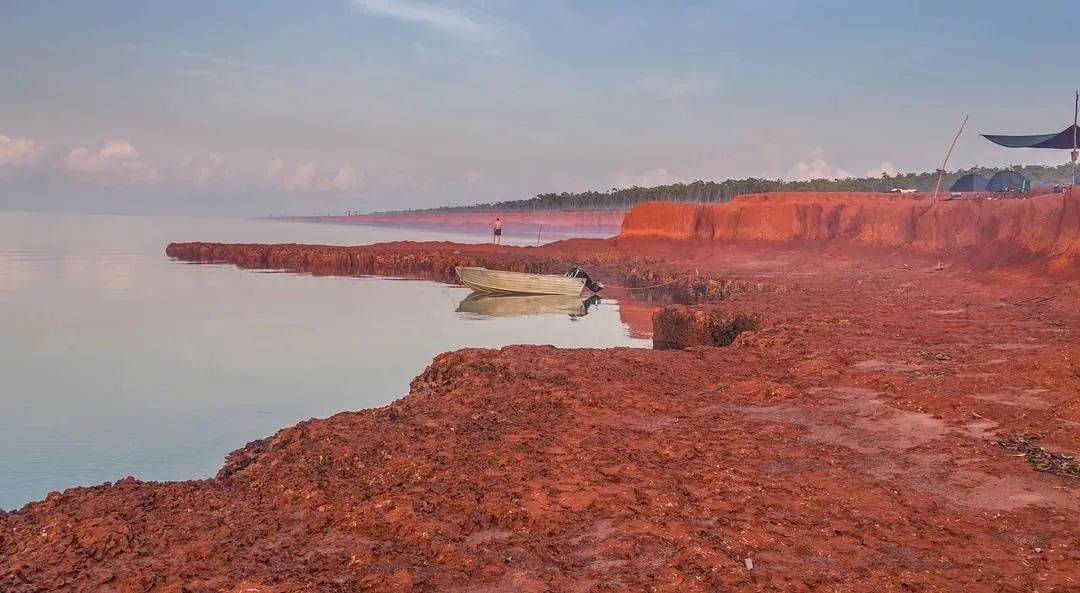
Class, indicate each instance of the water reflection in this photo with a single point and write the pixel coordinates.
(118, 361)
(498, 305)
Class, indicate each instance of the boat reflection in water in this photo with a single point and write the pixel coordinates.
(512, 305)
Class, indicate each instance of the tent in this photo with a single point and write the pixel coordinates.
(970, 182)
(1007, 180)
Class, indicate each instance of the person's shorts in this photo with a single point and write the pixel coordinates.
(498, 232)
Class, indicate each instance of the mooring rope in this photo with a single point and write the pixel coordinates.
(683, 277)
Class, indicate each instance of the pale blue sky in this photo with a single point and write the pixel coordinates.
(287, 106)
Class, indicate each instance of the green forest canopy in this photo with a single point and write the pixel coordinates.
(722, 191)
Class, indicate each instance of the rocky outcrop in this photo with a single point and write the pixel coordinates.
(847, 446)
(539, 469)
(645, 277)
(435, 261)
(1040, 230)
(676, 327)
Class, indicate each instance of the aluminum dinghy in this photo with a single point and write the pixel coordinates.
(503, 282)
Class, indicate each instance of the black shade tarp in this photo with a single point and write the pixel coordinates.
(1006, 180)
(970, 182)
(1063, 139)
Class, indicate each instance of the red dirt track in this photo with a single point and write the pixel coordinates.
(847, 444)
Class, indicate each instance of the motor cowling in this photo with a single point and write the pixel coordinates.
(578, 272)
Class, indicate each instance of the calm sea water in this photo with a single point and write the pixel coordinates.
(116, 361)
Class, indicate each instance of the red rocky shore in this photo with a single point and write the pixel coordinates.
(888, 423)
(608, 259)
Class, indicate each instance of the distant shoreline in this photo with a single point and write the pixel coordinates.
(592, 221)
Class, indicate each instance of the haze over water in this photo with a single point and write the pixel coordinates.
(116, 361)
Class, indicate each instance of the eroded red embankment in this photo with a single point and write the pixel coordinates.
(1043, 228)
(590, 220)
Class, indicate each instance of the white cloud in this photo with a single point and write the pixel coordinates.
(392, 177)
(274, 169)
(198, 72)
(226, 63)
(116, 161)
(434, 16)
(886, 167)
(347, 178)
(650, 178)
(305, 177)
(667, 86)
(813, 167)
(302, 177)
(17, 153)
(202, 170)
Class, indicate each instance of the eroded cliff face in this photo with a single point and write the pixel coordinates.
(1042, 229)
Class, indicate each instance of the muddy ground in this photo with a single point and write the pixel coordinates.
(848, 444)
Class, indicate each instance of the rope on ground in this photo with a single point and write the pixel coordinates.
(683, 277)
(449, 297)
(1035, 300)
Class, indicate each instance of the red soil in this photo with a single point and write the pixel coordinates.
(845, 445)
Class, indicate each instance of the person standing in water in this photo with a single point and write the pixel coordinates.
(496, 237)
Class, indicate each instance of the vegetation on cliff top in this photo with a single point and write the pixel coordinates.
(722, 191)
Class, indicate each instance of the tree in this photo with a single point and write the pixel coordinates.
(722, 191)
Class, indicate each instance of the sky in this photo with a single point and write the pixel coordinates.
(259, 107)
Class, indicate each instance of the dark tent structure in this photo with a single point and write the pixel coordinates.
(1062, 140)
(1067, 139)
(1006, 181)
(970, 182)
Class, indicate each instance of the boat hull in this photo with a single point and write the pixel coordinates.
(501, 282)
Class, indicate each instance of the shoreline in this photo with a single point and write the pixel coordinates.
(850, 440)
(557, 222)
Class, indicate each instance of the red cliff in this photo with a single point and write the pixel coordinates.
(1043, 228)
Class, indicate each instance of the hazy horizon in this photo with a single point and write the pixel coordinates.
(254, 108)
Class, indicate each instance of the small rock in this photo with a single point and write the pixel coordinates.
(749, 562)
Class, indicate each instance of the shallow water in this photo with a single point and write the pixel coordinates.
(116, 361)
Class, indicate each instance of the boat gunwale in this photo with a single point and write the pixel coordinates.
(524, 283)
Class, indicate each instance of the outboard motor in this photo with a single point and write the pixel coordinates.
(577, 272)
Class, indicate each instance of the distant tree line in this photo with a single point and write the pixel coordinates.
(722, 191)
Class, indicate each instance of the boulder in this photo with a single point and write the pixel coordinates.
(676, 327)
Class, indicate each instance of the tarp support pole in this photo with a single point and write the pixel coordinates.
(941, 171)
(1076, 111)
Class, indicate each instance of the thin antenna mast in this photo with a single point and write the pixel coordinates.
(941, 171)
(1076, 109)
